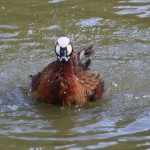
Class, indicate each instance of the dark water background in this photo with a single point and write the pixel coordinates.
(120, 33)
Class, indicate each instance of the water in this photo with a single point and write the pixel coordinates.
(120, 33)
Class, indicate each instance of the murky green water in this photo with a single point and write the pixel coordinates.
(120, 33)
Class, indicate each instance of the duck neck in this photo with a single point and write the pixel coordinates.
(65, 68)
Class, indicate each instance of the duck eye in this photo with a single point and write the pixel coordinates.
(57, 50)
(69, 50)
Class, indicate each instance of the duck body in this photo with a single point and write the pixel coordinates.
(69, 82)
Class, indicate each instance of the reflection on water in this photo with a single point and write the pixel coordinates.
(50, 27)
(120, 33)
(55, 1)
(129, 8)
(89, 22)
(135, 1)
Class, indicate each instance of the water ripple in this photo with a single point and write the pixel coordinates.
(89, 22)
(2, 26)
(141, 11)
(53, 27)
(55, 1)
(6, 35)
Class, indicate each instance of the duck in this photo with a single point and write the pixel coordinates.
(68, 80)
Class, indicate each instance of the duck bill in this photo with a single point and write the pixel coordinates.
(63, 57)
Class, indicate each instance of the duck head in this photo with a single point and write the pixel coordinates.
(63, 49)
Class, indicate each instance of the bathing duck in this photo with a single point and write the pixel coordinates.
(68, 80)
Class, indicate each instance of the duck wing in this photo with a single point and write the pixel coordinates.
(88, 79)
(81, 69)
(36, 79)
(81, 58)
(90, 83)
(90, 86)
(86, 52)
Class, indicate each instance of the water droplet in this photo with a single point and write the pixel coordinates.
(82, 81)
(114, 84)
(30, 32)
(3, 7)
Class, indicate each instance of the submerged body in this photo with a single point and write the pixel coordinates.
(68, 81)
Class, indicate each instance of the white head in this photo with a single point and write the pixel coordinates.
(63, 48)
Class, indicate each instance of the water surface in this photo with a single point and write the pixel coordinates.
(120, 33)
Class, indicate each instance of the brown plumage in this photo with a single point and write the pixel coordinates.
(68, 80)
